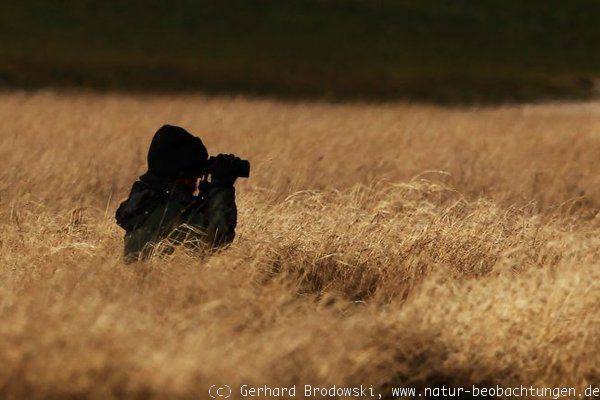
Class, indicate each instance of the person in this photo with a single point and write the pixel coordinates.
(162, 207)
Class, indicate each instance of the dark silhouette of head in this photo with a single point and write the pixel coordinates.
(175, 153)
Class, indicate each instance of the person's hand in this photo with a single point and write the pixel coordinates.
(223, 169)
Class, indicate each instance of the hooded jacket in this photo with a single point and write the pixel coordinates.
(160, 211)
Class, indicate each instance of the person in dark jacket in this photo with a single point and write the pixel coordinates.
(162, 207)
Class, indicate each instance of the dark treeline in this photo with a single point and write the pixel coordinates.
(446, 51)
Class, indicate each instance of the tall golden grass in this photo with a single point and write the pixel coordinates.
(384, 245)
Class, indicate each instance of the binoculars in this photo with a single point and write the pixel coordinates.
(241, 168)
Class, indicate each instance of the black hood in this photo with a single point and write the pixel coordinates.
(175, 153)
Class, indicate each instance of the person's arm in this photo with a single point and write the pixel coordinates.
(221, 207)
(146, 218)
(221, 215)
(216, 219)
(212, 223)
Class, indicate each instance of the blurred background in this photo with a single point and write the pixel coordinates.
(441, 51)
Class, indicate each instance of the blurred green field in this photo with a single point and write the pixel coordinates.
(446, 51)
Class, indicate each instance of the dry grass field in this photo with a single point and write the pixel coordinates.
(378, 244)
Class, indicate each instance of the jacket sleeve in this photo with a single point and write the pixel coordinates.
(222, 212)
(217, 218)
(146, 220)
(134, 211)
